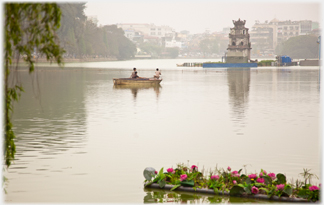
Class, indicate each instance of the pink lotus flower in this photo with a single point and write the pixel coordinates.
(234, 182)
(280, 187)
(252, 176)
(229, 168)
(215, 177)
(235, 174)
(313, 188)
(155, 172)
(264, 172)
(254, 190)
(194, 168)
(261, 174)
(183, 177)
(272, 176)
(260, 180)
(170, 170)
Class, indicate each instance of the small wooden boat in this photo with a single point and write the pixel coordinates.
(137, 86)
(136, 81)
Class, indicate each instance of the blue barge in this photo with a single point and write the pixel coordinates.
(229, 65)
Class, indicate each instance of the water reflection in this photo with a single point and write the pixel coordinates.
(164, 196)
(49, 119)
(238, 81)
(135, 88)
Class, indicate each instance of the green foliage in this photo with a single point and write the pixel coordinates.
(209, 45)
(247, 180)
(237, 190)
(162, 183)
(303, 194)
(172, 52)
(224, 181)
(281, 179)
(247, 189)
(288, 190)
(81, 37)
(265, 62)
(188, 183)
(28, 26)
(150, 48)
(175, 187)
(306, 193)
(299, 47)
(307, 175)
(272, 190)
(160, 178)
(267, 179)
(13, 94)
(118, 44)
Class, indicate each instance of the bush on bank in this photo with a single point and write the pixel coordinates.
(235, 182)
(265, 62)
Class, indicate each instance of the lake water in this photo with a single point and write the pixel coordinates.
(81, 139)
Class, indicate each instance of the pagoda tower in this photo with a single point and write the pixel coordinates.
(239, 44)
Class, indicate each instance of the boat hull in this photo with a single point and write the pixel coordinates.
(136, 81)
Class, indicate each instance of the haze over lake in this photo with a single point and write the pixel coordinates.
(82, 139)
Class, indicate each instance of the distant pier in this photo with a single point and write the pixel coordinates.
(190, 65)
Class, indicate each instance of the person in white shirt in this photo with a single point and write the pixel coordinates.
(157, 74)
(133, 73)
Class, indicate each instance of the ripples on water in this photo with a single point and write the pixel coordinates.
(82, 139)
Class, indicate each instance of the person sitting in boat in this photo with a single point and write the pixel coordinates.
(133, 73)
(157, 74)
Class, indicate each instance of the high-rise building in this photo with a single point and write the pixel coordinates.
(266, 36)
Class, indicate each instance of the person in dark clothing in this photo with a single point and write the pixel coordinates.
(133, 73)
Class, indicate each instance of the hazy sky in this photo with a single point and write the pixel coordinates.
(199, 15)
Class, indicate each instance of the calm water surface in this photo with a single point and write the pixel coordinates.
(82, 139)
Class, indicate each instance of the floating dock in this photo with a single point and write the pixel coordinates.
(229, 65)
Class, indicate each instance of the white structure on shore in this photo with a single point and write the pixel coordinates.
(163, 35)
(147, 29)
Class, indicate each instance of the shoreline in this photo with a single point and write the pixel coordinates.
(76, 60)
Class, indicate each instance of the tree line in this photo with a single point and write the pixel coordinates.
(82, 38)
(299, 47)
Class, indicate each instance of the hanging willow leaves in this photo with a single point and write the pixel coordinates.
(28, 27)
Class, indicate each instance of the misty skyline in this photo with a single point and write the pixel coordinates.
(197, 16)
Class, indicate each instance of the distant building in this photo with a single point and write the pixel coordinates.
(148, 29)
(239, 43)
(266, 36)
(160, 35)
(288, 29)
(173, 43)
(306, 27)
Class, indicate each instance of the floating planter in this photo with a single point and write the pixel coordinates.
(263, 185)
